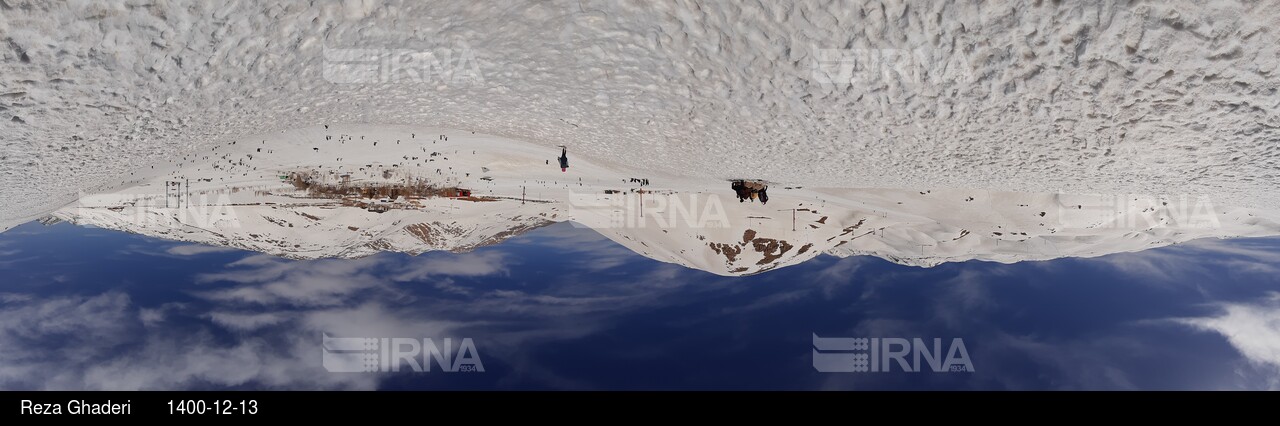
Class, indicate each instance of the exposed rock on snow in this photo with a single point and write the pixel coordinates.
(1118, 97)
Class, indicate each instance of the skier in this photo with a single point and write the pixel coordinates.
(564, 159)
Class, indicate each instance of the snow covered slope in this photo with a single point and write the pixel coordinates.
(1113, 97)
(242, 194)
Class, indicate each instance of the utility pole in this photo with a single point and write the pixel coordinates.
(793, 218)
(922, 246)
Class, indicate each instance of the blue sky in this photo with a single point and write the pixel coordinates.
(563, 308)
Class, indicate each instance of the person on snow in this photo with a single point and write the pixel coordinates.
(564, 159)
(740, 188)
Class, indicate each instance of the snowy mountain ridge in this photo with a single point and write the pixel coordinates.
(1117, 97)
(249, 194)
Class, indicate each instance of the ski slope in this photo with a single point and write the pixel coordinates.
(1117, 97)
(233, 195)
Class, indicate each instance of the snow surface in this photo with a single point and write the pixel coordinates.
(238, 199)
(1114, 97)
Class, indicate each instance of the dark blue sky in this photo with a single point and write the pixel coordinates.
(563, 308)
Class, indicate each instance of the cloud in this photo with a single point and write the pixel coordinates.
(246, 321)
(782, 297)
(75, 316)
(44, 339)
(1077, 364)
(267, 280)
(152, 317)
(196, 249)
(167, 361)
(474, 264)
(1175, 264)
(1252, 328)
(257, 321)
(15, 297)
(448, 285)
(102, 342)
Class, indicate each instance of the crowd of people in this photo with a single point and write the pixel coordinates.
(751, 190)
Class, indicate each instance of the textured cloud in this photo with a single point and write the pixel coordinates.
(267, 280)
(1179, 263)
(256, 322)
(1252, 328)
(100, 342)
(474, 264)
(196, 249)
